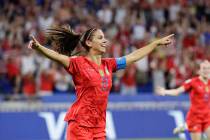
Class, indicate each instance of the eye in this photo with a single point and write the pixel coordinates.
(100, 37)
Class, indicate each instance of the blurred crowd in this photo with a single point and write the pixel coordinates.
(128, 24)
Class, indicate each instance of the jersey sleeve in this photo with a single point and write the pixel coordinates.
(187, 85)
(116, 63)
(71, 69)
(111, 64)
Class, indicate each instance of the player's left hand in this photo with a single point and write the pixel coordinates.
(165, 41)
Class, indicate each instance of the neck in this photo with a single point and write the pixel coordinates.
(95, 58)
(204, 79)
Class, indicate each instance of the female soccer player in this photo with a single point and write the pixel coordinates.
(92, 76)
(198, 116)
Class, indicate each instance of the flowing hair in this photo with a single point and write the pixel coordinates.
(66, 40)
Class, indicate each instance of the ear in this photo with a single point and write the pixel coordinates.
(89, 43)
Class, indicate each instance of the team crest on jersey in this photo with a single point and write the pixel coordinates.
(107, 71)
(207, 89)
(105, 84)
(101, 73)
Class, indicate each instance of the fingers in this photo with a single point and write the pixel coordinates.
(168, 41)
(165, 40)
(169, 36)
(30, 44)
(33, 38)
(33, 43)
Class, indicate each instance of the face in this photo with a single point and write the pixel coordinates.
(97, 42)
(205, 69)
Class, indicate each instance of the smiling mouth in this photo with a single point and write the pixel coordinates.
(104, 45)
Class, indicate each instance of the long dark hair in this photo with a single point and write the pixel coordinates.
(66, 40)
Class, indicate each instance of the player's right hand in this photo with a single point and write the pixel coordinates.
(33, 44)
(160, 91)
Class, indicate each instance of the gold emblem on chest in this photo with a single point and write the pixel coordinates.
(101, 72)
(107, 71)
(207, 89)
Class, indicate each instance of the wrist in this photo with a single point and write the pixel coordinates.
(37, 46)
(153, 44)
(157, 43)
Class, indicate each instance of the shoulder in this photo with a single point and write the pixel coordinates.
(76, 58)
(108, 60)
(110, 63)
(75, 63)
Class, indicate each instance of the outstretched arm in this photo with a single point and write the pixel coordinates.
(62, 59)
(171, 92)
(140, 53)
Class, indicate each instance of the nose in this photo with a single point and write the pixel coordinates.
(106, 42)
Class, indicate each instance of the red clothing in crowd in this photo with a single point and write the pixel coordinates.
(47, 81)
(29, 86)
(12, 70)
(129, 78)
(189, 41)
(170, 63)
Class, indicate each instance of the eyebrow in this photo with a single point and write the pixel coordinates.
(101, 36)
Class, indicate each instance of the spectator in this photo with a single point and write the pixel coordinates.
(128, 24)
(46, 83)
(63, 81)
(29, 85)
(128, 80)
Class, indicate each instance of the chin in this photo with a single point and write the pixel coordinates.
(103, 50)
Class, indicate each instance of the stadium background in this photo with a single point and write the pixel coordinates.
(35, 93)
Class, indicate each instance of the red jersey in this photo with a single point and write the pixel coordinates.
(92, 85)
(200, 99)
(46, 81)
(29, 86)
